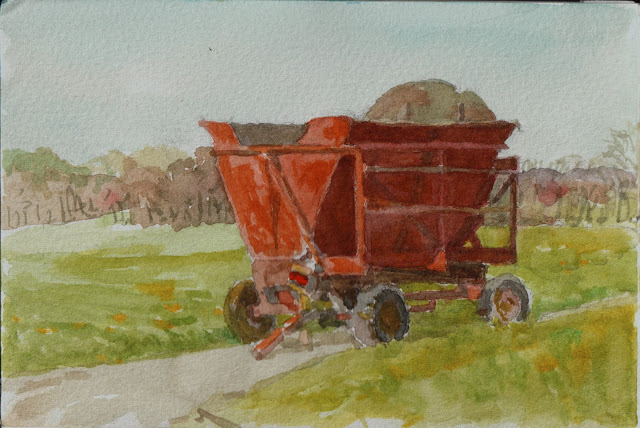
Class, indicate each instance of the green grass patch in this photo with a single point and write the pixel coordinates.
(566, 267)
(94, 295)
(577, 368)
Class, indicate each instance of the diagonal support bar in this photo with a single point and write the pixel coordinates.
(305, 227)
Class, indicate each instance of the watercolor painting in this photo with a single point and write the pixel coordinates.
(324, 214)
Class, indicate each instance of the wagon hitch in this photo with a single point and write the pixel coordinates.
(265, 346)
(290, 326)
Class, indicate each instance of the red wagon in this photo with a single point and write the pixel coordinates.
(338, 214)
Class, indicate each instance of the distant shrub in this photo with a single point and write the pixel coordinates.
(43, 165)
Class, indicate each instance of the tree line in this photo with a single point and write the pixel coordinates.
(166, 186)
(41, 188)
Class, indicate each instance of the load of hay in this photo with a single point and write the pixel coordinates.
(429, 102)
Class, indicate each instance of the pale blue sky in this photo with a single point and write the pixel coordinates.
(83, 77)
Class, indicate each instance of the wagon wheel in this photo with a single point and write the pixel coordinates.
(505, 299)
(390, 316)
(238, 313)
(380, 315)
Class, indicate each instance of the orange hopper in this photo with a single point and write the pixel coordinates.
(360, 195)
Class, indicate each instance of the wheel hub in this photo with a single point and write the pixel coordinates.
(507, 304)
(389, 318)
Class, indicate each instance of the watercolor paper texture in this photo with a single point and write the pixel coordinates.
(319, 214)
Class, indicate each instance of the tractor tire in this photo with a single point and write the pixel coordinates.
(505, 299)
(238, 314)
(380, 315)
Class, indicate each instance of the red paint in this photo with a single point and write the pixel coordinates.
(439, 262)
(285, 298)
(345, 193)
(222, 133)
(475, 291)
(309, 177)
(267, 345)
(335, 231)
(429, 307)
(327, 131)
(344, 265)
(299, 278)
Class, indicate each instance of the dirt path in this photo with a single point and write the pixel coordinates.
(149, 393)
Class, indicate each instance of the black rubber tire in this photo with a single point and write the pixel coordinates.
(390, 316)
(239, 316)
(487, 302)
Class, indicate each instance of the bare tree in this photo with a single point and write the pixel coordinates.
(622, 148)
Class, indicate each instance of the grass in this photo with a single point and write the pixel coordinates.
(84, 294)
(94, 293)
(566, 267)
(574, 369)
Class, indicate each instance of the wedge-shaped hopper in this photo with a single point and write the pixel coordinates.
(361, 195)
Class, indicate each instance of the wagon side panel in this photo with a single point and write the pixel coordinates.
(267, 223)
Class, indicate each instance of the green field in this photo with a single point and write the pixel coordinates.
(94, 293)
(574, 369)
(84, 294)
